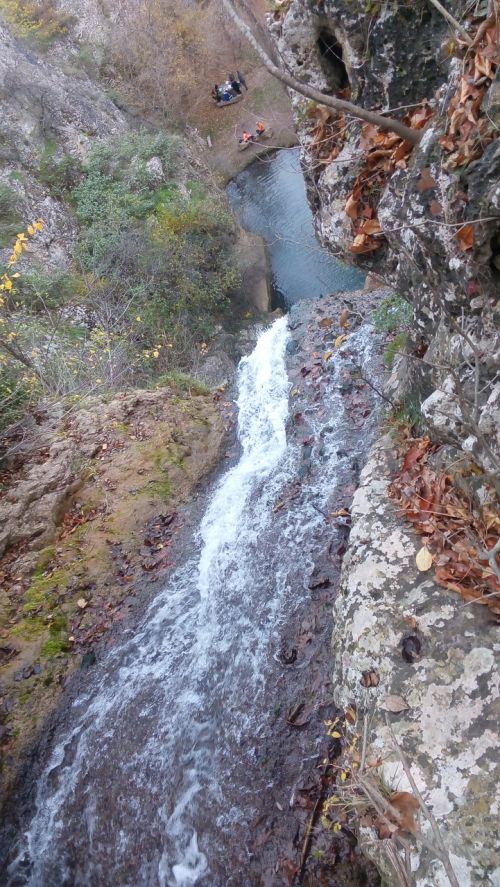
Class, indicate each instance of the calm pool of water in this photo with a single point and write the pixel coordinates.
(269, 198)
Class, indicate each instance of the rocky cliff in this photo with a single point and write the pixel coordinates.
(425, 220)
(414, 662)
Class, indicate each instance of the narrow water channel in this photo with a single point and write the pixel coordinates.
(161, 771)
(269, 198)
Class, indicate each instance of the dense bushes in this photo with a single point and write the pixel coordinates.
(38, 20)
(152, 273)
(156, 249)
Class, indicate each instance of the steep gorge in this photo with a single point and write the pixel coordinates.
(415, 660)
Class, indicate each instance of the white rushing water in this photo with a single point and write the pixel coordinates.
(153, 765)
(171, 662)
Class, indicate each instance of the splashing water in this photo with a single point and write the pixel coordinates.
(155, 762)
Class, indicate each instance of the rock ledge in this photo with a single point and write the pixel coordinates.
(448, 732)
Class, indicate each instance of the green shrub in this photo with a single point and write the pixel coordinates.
(41, 21)
(61, 176)
(393, 348)
(392, 315)
(10, 219)
(407, 412)
(182, 382)
(166, 250)
(18, 388)
(40, 290)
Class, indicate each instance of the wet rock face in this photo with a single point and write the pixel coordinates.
(395, 55)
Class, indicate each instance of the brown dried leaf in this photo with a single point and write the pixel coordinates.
(370, 678)
(407, 805)
(394, 704)
(465, 237)
(363, 244)
(371, 226)
(415, 453)
(425, 181)
(424, 559)
(351, 207)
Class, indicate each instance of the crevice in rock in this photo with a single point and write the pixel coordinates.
(332, 61)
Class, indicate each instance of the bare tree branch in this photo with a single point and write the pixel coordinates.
(449, 18)
(386, 123)
(18, 355)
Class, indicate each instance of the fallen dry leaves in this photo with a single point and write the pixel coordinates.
(457, 532)
(327, 134)
(469, 130)
(384, 153)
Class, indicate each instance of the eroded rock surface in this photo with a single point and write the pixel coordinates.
(388, 613)
(452, 285)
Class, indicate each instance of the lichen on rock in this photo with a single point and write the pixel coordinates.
(448, 731)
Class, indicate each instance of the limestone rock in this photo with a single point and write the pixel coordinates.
(447, 730)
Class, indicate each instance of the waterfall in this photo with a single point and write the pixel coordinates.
(156, 765)
(171, 665)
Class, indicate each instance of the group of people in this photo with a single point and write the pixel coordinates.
(230, 88)
(250, 136)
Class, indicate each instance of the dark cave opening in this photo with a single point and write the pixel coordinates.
(331, 60)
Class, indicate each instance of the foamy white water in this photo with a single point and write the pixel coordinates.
(182, 637)
(152, 769)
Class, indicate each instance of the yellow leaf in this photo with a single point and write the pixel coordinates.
(156, 353)
(138, 319)
(335, 734)
(30, 230)
(424, 559)
(343, 776)
(327, 355)
(339, 340)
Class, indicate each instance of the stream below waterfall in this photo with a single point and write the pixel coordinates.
(176, 764)
(269, 198)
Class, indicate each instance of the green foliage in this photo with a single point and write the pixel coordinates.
(393, 348)
(182, 382)
(10, 219)
(60, 176)
(169, 248)
(407, 412)
(392, 315)
(17, 391)
(153, 272)
(55, 645)
(37, 20)
(40, 290)
(161, 488)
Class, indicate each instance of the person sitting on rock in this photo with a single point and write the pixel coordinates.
(242, 79)
(260, 128)
(246, 137)
(215, 93)
(235, 86)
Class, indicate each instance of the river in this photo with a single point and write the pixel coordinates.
(176, 765)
